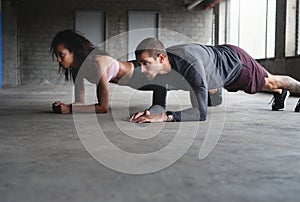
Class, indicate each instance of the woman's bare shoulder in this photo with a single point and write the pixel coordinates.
(104, 61)
(103, 58)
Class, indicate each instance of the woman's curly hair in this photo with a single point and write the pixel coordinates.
(76, 43)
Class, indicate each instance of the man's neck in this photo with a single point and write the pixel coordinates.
(166, 66)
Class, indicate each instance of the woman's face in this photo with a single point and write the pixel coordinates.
(65, 58)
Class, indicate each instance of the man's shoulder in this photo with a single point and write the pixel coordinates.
(187, 49)
(183, 46)
(188, 52)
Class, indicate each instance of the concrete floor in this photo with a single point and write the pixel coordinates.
(43, 157)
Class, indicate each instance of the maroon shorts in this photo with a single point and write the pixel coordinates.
(252, 75)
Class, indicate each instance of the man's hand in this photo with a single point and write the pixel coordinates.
(137, 115)
(146, 117)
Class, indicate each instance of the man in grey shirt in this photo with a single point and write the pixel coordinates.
(198, 68)
(139, 81)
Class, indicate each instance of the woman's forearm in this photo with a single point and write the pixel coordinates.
(89, 108)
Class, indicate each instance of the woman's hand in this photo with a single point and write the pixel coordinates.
(56, 107)
(57, 103)
(65, 108)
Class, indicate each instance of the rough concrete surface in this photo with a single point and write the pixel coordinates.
(43, 156)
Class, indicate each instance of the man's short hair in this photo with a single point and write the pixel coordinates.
(152, 46)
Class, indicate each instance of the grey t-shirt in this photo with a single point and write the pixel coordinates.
(201, 68)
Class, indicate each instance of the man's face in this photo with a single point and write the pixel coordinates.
(150, 67)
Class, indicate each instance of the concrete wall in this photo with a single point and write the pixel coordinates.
(10, 71)
(32, 24)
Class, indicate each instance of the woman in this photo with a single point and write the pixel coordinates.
(80, 59)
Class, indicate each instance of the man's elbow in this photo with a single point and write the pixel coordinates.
(202, 119)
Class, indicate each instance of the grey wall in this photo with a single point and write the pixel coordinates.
(31, 24)
(10, 71)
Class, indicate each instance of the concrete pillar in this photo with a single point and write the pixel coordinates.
(0, 44)
(9, 43)
(280, 29)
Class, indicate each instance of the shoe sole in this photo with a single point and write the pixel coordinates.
(297, 108)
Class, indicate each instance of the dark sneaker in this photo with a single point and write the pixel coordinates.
(279, 100)
(297, 108)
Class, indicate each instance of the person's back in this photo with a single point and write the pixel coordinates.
(220, 63)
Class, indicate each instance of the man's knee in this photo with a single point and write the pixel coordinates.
(272, 82)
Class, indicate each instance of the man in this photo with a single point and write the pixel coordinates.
(203, 68)
(137, 81)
